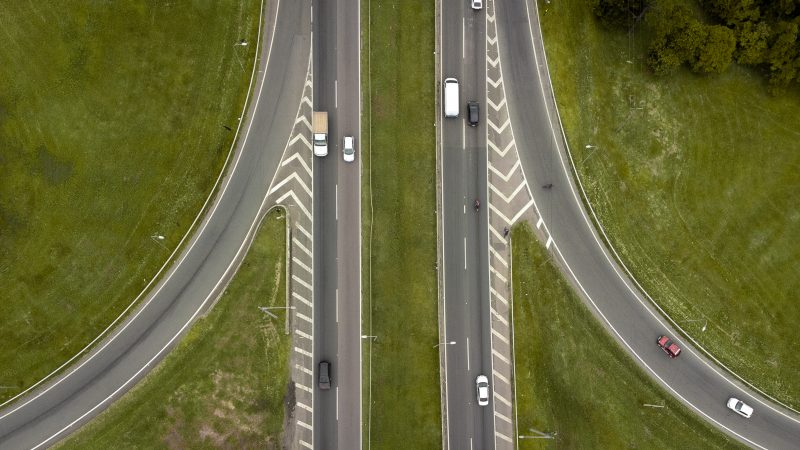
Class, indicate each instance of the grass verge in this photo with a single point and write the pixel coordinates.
(224, 385)
(112, 132)
(695, 180)
(573, 379)
(399, 220)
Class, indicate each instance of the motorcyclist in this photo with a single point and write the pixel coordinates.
(477, 204)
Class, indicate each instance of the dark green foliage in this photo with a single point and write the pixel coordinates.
(618, 13)
(715, 53)
(784, 56)
(676, 37)
(734, 12)
(752, 42)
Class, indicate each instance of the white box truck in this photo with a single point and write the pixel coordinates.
(320, 130)
(450, 97)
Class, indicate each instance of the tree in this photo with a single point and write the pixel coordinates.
(734, 12)
(783, 56)
(715, 53)
(618, 13)
(752, 42)
(676, 37)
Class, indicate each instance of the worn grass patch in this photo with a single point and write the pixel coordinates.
(225, 384)
(400, 258)
(112, 133)
(695, 180)
(573, 379)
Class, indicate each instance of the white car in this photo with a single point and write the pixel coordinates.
(740, 407)
(482, 384)
(477, 4)
(349, 149)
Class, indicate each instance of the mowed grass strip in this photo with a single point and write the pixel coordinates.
(573, 379)
(225, 385)
(400, 227)
(695, 179)
(113, 130)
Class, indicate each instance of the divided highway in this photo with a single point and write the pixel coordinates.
(337, 225)
(466, 343)
(68, 401)
(579, 251)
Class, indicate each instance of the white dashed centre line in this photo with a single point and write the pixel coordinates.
(465, 253)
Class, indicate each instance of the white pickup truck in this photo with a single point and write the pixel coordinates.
(320, 130)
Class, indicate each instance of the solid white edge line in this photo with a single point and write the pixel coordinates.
(558, 250)
(446, 418)
(169, 259)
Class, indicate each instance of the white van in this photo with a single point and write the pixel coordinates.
(450, 97)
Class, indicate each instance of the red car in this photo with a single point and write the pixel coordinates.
(669, 347)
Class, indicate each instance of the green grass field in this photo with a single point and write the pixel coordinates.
(225, 384)
(574, 380)
(112, 121)
(695, 180)
(400, 304)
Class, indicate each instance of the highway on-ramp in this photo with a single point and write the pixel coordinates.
(578, 250)
(207, 262)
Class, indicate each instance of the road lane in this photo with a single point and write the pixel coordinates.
(203, 268)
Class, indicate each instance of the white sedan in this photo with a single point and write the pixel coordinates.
(483, 390)
(740, 407)
(349, 149)
(477, 4)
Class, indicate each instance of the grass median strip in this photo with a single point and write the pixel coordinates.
(115, 120)
(695, 180)
(226, 383)
(575, 382)
(399, 188)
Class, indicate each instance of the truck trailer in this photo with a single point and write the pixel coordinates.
(320, 130)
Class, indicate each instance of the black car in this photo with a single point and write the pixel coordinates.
(473, 112)
(324, 375)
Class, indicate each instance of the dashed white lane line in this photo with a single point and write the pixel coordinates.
(465, 253)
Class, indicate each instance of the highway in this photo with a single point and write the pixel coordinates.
(588, 265)
(466, 343)
(337, 226)
(207, 261)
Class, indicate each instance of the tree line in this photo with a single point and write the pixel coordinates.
(707, 39)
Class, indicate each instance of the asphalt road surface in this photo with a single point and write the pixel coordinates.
(337, 226)
(586, 263)
(61, 406)
(465, 240)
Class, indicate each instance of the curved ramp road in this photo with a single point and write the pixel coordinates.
(52, 411)
(578, 250)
